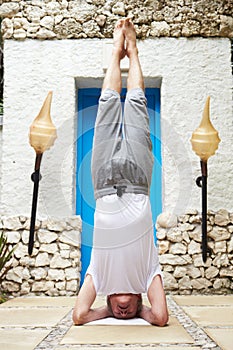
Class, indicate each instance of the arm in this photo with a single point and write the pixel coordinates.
(157, 314)
(82, 311)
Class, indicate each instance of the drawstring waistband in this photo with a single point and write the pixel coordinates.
(120, 189)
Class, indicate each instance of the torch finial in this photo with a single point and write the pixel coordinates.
(42, 131)
(205, 138)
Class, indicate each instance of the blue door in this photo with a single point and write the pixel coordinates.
(85, 202)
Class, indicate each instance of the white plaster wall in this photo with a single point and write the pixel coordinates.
(191, 69)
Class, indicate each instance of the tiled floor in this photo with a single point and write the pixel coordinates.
(196, 322)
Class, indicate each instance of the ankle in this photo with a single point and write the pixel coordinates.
(118, 53)
(132, 51)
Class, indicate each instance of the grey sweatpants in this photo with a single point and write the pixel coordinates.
(122, 160)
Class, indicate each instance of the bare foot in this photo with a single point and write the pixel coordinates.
(130, 37)
(119, 39)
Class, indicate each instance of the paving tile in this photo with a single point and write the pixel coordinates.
(137, 334)
(39, 301)
(203, 300)
(210, 316)
(169, 347)
(21, 339)
(40, 317)
(222, 336)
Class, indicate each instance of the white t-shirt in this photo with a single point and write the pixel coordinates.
(124, 257)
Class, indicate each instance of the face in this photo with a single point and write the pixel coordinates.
(124, 305)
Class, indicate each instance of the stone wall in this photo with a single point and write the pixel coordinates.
(54, 266)
(64, 19)
(179, 241)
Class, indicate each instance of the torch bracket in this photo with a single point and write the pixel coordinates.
(199, 181)
(36, 176)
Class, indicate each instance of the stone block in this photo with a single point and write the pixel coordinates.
(20, 34)
(230, 245)
(201, 283)
(72, 286)
(75, 222)
(13, 237)
(39, 273)
(25, 288)
(47, 22)
(75, 254)
(186, 237)
(45, 236)
(222, 218)
(71, 238)
(163, 247)
(12, 223)
(42, 259)
(221, 260)
(180, 271)
(42, 286)
(167, 268)
(25, 236)
(159, 29)
(27, 261)
(20, 251)
(58, 262)
(170, 259)
(7, 28)
(174, 235)
(119, 8)
(193, 272)
(56, 275)
(10, 287)
(178, 248)
(196, 234)
(56, 225)
(166, 220)
(198, 261)
(219, 234)
(226, 272)
(185, 283)
(220, 247)
(194, 248)
(49, 248)
(161, 233)
(211, 272)
(15, 275)
(186, 227)
(170, 282)
(61, 286)
(9, 9)
(64, 246)
(71, 274)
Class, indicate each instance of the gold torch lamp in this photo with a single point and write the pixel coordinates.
(205, 142)
(41, 137)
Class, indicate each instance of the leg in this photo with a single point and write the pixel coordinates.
(82, 311)
(135, 77)
(113, 76)
(109, 117)
(158, 313)
(136, 121)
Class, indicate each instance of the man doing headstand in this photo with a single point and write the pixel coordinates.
(124, 261)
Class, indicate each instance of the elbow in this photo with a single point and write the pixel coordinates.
(161, 320)
(78, 318)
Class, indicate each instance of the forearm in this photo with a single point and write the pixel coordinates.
(92, 315)
(152, 318)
